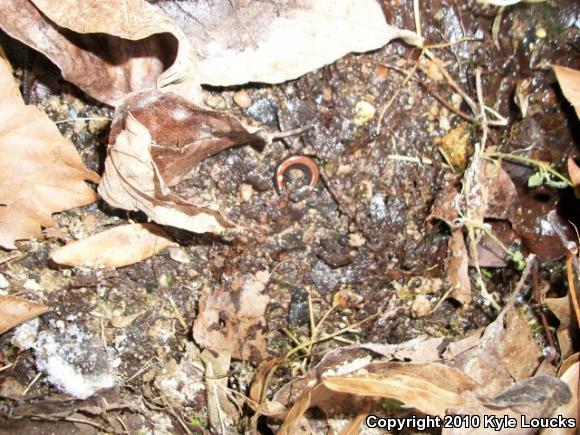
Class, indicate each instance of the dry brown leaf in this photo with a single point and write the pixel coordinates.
(233, 319)
(296, 413)
(117, 247)
(562, 309)
(458, 268)
(569, 80)
(574, 172)
(107, 48)
(15, 310)
(355, 425)
(431, 388)
(570, 375)
(156, 139)
(41, 173)
(272, 42)
(506, 351)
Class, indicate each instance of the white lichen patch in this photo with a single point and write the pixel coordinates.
(25, 335)
(73, 361)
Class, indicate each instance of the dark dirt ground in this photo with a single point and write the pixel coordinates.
(360, 238)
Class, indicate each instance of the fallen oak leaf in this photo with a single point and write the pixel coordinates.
(108, 49)
(131, 181)
(41, 173)
(156, 139)
(116, 247)
(272, 42)
(15, 310)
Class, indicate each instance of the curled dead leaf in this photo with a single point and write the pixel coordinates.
(117, 247)
(156, 139)
(41, 173)
(108, 48)
(15, 310)
(272, 42)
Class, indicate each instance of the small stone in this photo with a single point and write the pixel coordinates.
(356, 240)
(214, 101)
(246, 192)
(421, 306)
(298, 309)
(377, 208)
(381, 73)
(541, 33)
(363, 112)
(165, 280)
(242, 99)
(327, 94)
(179, 254)
(3, 282)
(31, 284)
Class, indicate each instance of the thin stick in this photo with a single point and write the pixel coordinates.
(397, 92)
(416, 13)
(27, 389)
(63, 121)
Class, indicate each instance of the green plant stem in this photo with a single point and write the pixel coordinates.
(530, 162)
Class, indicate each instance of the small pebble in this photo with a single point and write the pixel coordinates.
(246, 192)
(421, 306)
(541, 33)
(214, 101)
(179, 254)
(242, 99)
(363, 112)
(356, 240)
(31, 284)
(3, 282)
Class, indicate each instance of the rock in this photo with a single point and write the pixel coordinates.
(242, 99)
(421, 306)
(3, 282)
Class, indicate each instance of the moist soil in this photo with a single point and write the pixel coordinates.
(362, 240)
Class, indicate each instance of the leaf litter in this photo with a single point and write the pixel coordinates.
(160, 137)
(41, 173)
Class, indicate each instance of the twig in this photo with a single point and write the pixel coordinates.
(540, 304)
(417, 15)
(397, 92)
(63, 121)
(468, 191)
(178, 313)
(27, 389)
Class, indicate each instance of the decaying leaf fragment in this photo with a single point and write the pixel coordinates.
(156, 139)
(272, 42)
(40, 172)
(15, 310)
(458, 268)
(107, 48)
(117, 247)
(233, 319)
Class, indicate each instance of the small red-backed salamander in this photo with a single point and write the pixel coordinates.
(303, 161)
